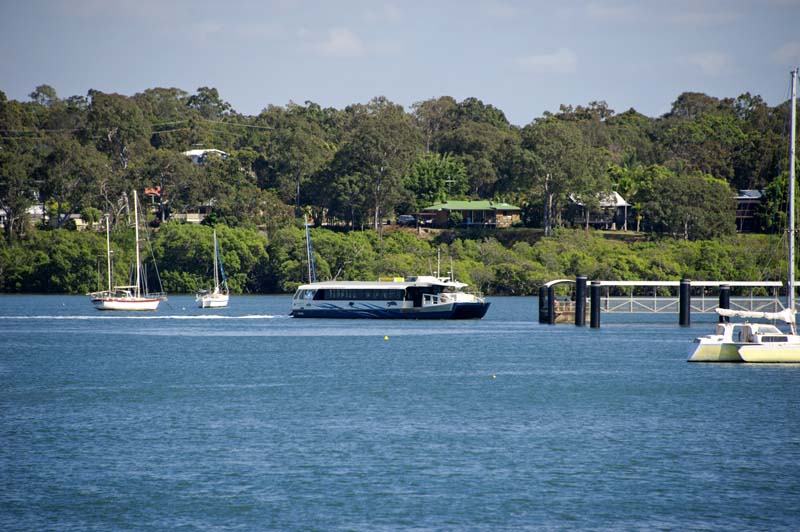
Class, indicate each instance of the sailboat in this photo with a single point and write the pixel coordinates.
(760, 342)
(218, 297)
(128, 297)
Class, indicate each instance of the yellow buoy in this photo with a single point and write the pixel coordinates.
(385, 337)
(494, 376)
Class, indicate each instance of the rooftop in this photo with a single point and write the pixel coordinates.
(479, 205)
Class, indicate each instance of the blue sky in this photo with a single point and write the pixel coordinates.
(522, 57)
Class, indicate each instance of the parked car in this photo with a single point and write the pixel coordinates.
(406, 219)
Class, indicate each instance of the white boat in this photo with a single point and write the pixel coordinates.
(759, 342)
(424, 297)
(218, 296)
(416, 298)
(126, 297)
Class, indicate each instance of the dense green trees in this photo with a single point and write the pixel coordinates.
(74, 262)
(360, 165)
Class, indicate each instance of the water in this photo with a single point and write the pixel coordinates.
(246, 419)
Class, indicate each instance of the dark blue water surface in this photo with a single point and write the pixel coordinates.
(246, 419)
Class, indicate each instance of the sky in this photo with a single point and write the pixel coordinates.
(522, 57)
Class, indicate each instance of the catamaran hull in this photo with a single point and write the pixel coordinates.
(135, 304)
(452, 311)
(747, 353)
(770, 354)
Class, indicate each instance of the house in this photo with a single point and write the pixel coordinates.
(747, 204)
(483, 213)
(612, 213)
(199, 156)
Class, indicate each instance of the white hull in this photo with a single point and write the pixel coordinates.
(129, 297)
(213, 301)
(747, 343)
(771, 354)
(126, 303)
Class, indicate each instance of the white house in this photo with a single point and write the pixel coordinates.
(199, 156)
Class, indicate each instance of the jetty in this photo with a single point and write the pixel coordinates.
(564, 300)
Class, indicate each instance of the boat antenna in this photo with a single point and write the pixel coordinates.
(312, 274)
(791, 294)
(438, 261)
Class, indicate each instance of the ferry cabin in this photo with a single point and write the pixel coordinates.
(416, 298)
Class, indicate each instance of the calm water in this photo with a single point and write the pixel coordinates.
(246, 419)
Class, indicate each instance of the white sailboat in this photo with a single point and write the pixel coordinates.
(760, 342)
(128, 297)
(218, 297)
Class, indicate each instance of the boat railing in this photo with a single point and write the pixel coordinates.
(157, 295)
(449, 297)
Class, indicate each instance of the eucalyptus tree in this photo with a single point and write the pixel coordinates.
(177, 179)
(208, 103)
(118, 126)
(297, 151)
(378, 152)
(475, 133)
(563, 165)
(16, 192)
(692, 206)
(432, 117)
(68, 176)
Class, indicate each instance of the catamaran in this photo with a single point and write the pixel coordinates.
(218, 296)
(127, 297)
(760, 342)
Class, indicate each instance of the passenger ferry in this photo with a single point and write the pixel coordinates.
(418, 298)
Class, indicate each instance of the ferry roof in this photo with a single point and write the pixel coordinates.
(382, 285)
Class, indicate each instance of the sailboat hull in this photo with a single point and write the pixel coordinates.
(132, 303)
(213, 301)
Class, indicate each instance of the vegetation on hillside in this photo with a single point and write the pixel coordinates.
(355, 167)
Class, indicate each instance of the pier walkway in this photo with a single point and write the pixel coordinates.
(564, 300)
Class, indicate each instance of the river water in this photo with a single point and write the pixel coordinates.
(246, 419)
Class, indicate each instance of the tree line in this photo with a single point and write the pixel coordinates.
(75, 261)
(367, 162)
(357, 166)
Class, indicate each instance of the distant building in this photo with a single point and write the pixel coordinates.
(747, 204)
(473, 213)
(613, 212)
(199, 156)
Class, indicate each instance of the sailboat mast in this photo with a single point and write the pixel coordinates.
(108, 252)
(791, 297)
(312, 273)
(216, 273)
(136, 225)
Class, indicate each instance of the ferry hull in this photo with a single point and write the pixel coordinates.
(454, 311)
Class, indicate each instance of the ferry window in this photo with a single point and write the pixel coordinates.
(361, 294)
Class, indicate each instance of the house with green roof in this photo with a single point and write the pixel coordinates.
(482, 213)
